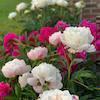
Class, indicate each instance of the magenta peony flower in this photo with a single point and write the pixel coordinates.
(35, 33)
(61, 50)
(98, 36)
(45, 32)
(81, 55)
(61, 25)
(9, 44)
(22, 38)
(91, 25)
(5, 89)
(97, 44)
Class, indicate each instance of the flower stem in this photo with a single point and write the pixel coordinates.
(69, 70)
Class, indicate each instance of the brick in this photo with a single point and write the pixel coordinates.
(87, 10)
(94, 5)
(92, 9)
(95, 11)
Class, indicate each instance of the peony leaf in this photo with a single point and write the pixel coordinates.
(83, 74)
(17, 90)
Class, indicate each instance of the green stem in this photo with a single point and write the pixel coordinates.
(69, 70)
(82, 84)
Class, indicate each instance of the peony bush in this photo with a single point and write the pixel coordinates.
(52, 61)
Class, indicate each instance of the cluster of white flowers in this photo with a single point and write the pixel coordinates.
(78, 39)
(42, 76)
(14, 68)
(37, 53)
(57, 95)
(35, 4)
(44, 3)
(20, 7)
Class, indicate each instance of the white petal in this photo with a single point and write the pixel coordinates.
(91, 49)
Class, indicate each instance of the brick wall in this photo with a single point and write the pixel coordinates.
(92, 9)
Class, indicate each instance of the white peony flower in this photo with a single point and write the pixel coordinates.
(52, 2)
(78, 39)
(55, 38)
(37, 53)
(14, 68)
(12, 15)
(23, 79)
(39, 3)
(63, 3)
(57, 95)
(33, 7)
(22, 6)
(80, 4)
(45, 76)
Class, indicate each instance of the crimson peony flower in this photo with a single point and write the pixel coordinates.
(45, 32)
(32, 37)
(9, 44)
(61, 25)
(81, 55)
(5, 89)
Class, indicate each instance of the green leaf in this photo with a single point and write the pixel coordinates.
(17, 90)
(85, 97)
(83, 74)
(11, 98)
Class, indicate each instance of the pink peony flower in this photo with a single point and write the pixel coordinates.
(5, 89)
(55, 38)
(45, 32)
(91, 25)
(9, 44)
(15, 67)
(37, 53)
(61, 25)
